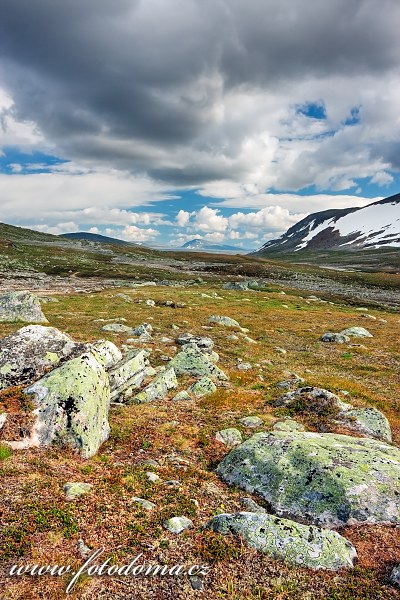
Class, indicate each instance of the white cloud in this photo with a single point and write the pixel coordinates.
(209, 219)
(183, 218)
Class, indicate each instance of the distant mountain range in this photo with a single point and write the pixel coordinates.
(374, 226)
(204, 246)
(95, 237)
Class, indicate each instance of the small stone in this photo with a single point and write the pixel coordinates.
(182, 396)
(177, 524)
(335, 338)
(230, 437)
(146, 504)
(76, 489)
(280, 350)
(244, 366)
(225, 321)
(288, 425)
(83, 550)
(152, 477)
(196, 582)
(150, 303)
(173, 483)
(252, 421)
(395, 576)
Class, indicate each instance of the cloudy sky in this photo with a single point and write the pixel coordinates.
(163, 120)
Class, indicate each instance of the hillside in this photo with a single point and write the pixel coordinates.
(95, 237)
(204, 246)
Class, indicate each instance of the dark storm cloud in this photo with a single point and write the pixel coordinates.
(110, 80)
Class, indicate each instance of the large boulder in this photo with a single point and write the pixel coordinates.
(192, 361)
(71, 407)
(368, 421)
(31, 351)
(358, 332)
(21, 306)
(323, 479)
(296, 544)
(225, 321)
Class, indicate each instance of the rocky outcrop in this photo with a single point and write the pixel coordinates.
(127, 376)
(323, 479)
(203, 387)
(31, 351)
(296, 544)
(21, 306)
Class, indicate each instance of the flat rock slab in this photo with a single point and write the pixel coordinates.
(296, 544)
(323, 479)
(21, 306)
(31, 351)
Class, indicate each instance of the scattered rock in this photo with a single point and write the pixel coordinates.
(152, 477)
(296, 544)
(230, 437)
(225, 321)
(395, 576)
(369, 421)
(335, 338)
(158, 388)
(118, 328)
(191, 361)
(143, 329)
(146, 504)
(20, 306)
(184, 395)
(196, 582)
(31, 351)
(203, 387)
(291, 383)
(150, 303)
(236, 285)
(3, 419)
(324, 479)
(358, 332)
(177, 524)
(252, 421)
(205, 344)
(76, 489)
(83, 550)
(244, 366)
(288, 425)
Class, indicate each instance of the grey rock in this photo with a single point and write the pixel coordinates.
(203, 387)
(31, 351)
(324, 479)
(251, 506)
(252, 421)
(230, 437)
(191, 361)
(205, 344)
(76, 489)
(177, 524)
(395, 576)
(288, 425)
(21, 306)
(146, 504)
(158, 388)
(369, 421)
(184, 395)
(335, 338)
(359, 332)
(152, 477)
(225, 321)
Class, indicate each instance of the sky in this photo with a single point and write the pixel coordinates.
(161, 121)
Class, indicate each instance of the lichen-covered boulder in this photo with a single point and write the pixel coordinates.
(21, 306)
(335, 338)
(118, 328)
(296, 544)
(72, 405)
(252, 421)
(192, 361)
(313, 399)
(127, 376)
(324, 479)
(369, 421)
(359, 332)
(225, 321)
(203, 387)
(158, 388)
(28, 353)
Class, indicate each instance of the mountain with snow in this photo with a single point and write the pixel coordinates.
(374, 226)
(200, 245)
